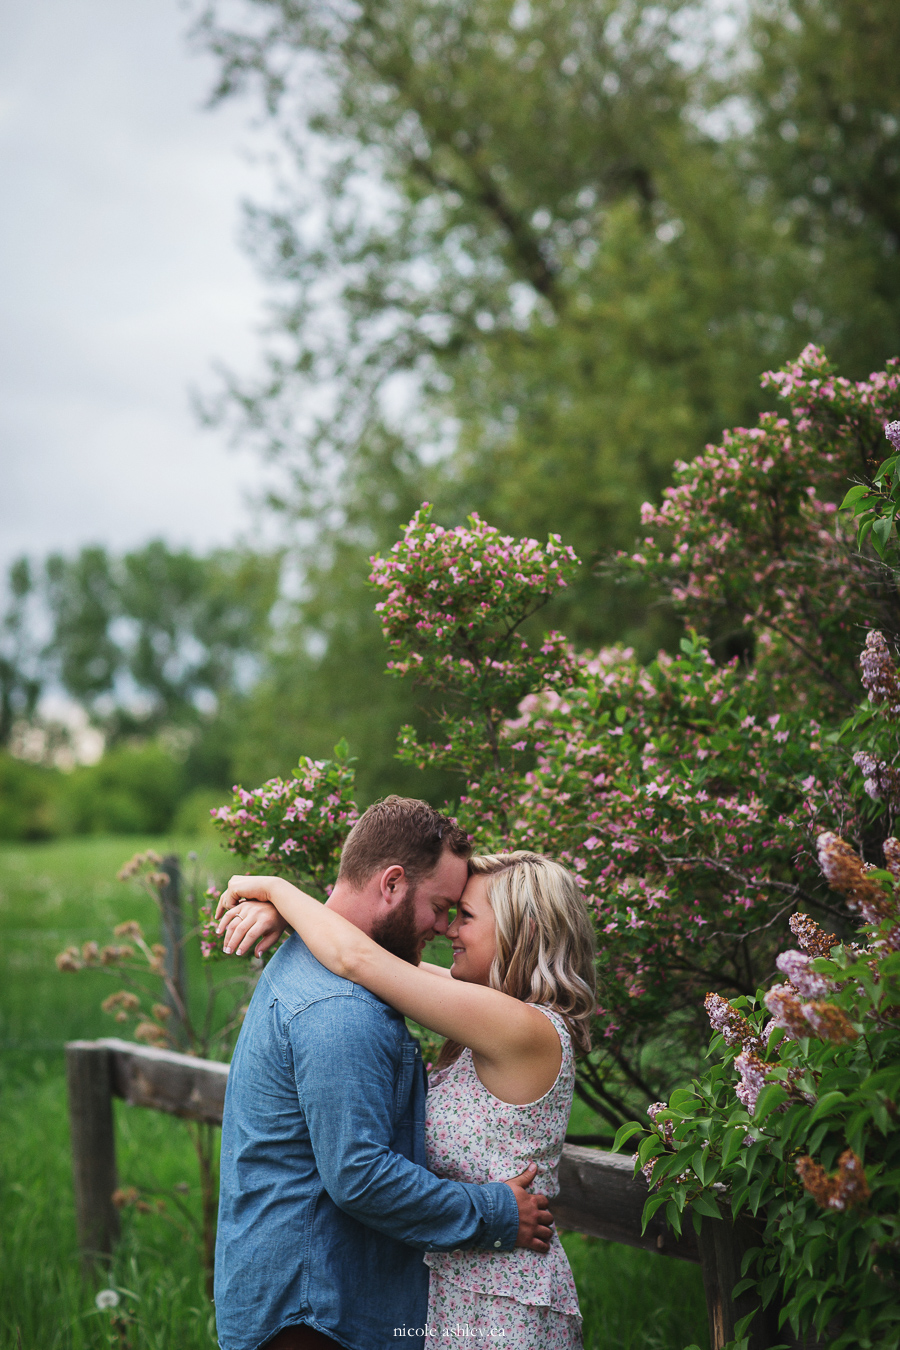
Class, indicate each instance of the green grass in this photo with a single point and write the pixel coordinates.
(64, 893)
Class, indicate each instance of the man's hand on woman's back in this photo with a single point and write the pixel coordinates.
(535, 1219)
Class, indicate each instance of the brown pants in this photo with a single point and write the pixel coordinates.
(301, 1338)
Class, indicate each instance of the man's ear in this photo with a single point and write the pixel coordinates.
(394, 885)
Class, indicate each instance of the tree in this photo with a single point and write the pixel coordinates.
(507, 224)
(21, 678)
(159, 637)
(825, 96)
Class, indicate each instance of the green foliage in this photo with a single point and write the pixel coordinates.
(547, 235)
(825, 98)
(875, 504)
(29, 799)
(174, 625)
(131, 790)
(21, 678)
(829, 1247)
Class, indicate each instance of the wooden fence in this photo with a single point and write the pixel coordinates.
(599, 1195)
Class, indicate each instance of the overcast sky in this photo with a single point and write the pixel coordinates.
(121, 277)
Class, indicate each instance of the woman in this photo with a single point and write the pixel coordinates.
(517, 1001)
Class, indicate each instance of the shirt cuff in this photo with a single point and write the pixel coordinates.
(502, 1220)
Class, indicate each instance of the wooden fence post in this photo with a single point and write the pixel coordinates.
(88, 1073)
(173, 936)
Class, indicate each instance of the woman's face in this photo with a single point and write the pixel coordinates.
(473, 934)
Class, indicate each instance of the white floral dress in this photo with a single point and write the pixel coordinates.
(521, 1300)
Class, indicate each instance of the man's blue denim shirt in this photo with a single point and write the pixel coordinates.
(325, 1204)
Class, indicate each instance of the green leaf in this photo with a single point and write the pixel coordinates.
(825, 1105)
(626, 1132)
(854, 495)
(650, 1208)
(732, 1145)
(772, 1095)
(683, 1097)
(705, 1204)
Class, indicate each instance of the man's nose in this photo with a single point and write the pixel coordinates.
(440, 924)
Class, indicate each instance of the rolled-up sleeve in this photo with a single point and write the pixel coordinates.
(346, 1068)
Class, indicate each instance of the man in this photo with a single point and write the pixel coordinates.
(325, 1202)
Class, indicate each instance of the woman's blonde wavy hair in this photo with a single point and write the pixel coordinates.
(545, 940)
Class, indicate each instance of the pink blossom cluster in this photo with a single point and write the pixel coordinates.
(294, 827)
(454, 601)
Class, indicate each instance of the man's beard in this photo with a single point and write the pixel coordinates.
(397, 933)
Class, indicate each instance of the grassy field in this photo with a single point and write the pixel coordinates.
(65, 893)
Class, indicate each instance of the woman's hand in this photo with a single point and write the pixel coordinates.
(247, 914)
(251, 922)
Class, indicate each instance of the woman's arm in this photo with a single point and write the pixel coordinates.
(517, 1046)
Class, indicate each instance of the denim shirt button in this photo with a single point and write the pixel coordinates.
(497, 1243)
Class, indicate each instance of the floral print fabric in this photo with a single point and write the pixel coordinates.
(470, 1135)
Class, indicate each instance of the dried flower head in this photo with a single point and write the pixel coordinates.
(123, 999)
(70, 959)
(845, 871)
(829, 1023)
(112, 955)
(753, 1077)
(130, 929)
(880, 779)
(161, 1011)
(665, 1128)
(808, 984)
(90, 953)
(106, 1298)
(784, 1005)
(151, 1034)
(813, 939)
(891, 850)
(125, 1195)
(734, 1028)
(879, 674)
(647, 1168)
(845, 1187)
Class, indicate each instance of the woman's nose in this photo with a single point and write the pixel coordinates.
(452, 926)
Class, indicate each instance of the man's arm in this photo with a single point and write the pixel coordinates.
(345, 1069)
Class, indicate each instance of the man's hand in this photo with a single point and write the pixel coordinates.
(535, 1219)
(249, 923)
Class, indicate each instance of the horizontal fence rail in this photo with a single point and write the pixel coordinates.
(598, 1196)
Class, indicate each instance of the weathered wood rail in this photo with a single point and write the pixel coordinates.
(599, 1196)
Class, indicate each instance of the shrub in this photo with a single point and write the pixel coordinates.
(806, 1137)
(131, 790)
(29, 799)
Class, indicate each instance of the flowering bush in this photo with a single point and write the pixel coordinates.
(294, 827)
(686, 796)
(749, 537)
(673, 791)
(806, 1139)
(452, 614)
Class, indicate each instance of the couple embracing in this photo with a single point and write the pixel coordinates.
(359, 1208)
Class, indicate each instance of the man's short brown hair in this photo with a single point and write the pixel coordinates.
(400, 830)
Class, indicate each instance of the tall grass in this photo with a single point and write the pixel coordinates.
(65, 892)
